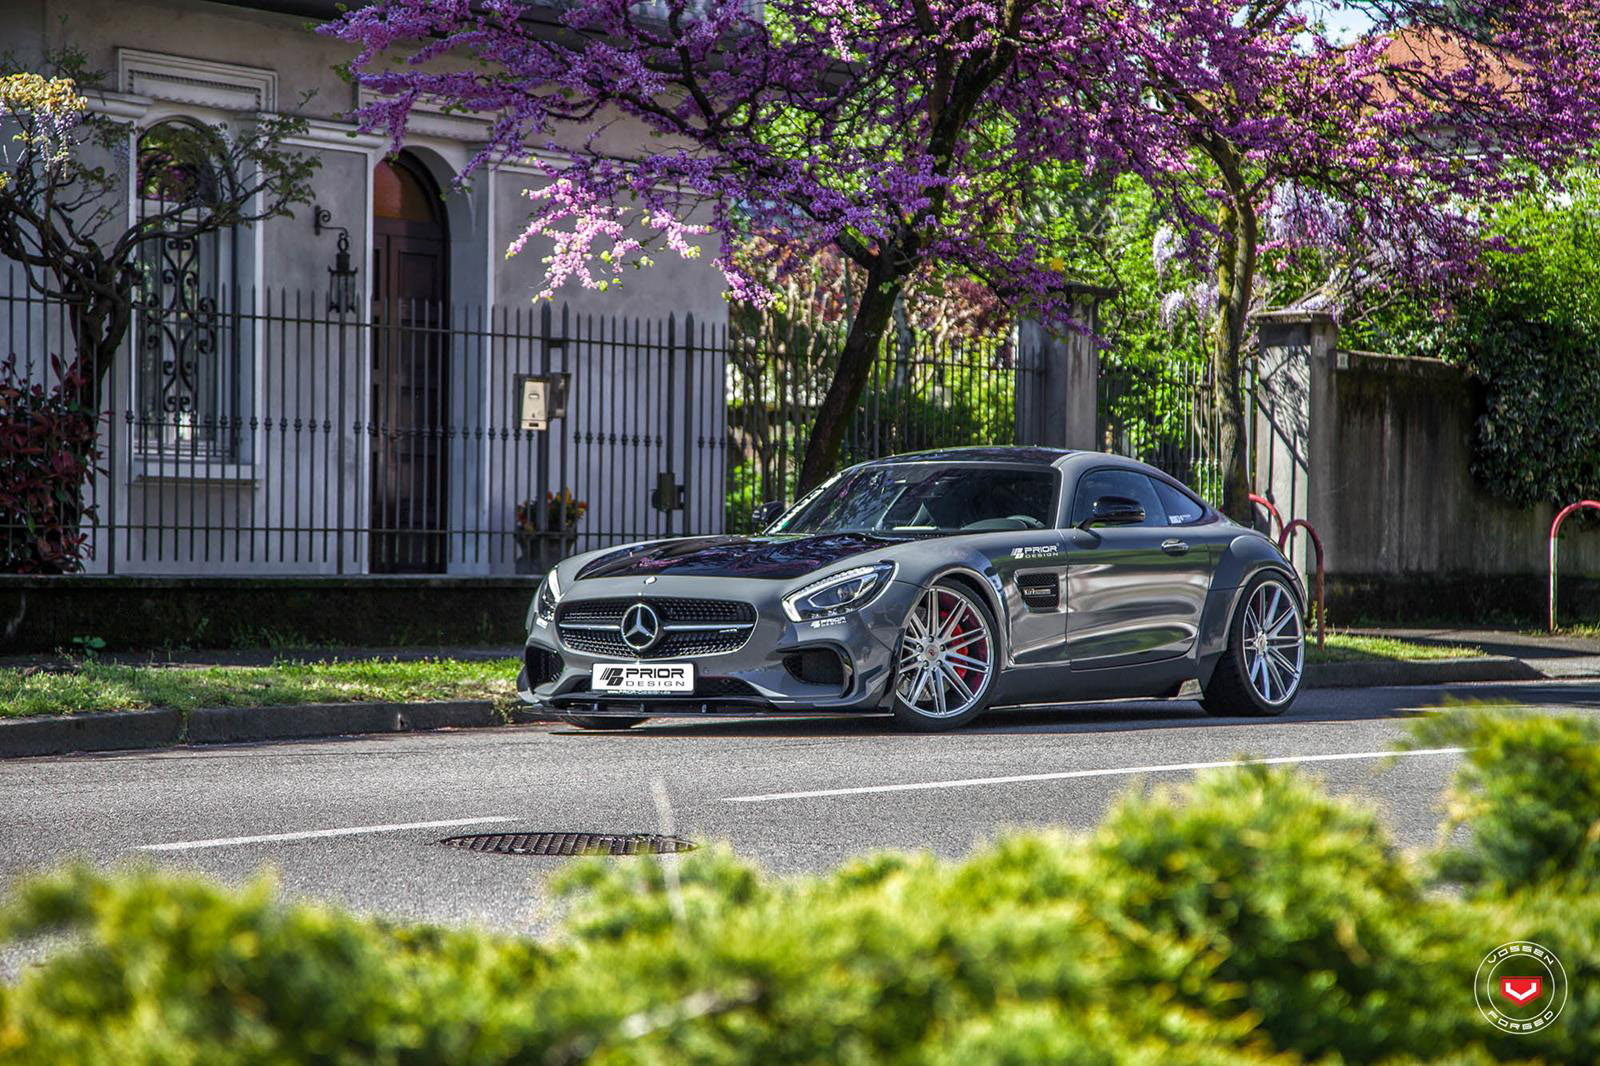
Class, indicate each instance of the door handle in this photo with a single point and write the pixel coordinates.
(1174, 546)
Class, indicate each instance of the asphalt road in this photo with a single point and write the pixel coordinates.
(755, 783)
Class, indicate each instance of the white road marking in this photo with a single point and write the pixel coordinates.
(973, 782)
(314, 834)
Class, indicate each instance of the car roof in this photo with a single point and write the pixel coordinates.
(1064, 459)
(1027, 456)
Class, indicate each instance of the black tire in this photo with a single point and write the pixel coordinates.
(1233, 690)
(600, 721)
(946, 595)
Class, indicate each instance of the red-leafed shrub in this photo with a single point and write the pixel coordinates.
(49, 444)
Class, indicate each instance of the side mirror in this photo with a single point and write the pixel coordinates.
(765, 514)
(1114, 511)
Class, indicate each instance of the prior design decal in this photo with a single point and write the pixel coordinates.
(665, 678)
(1034, 551)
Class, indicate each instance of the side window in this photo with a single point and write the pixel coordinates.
(1127, 483)
(1182, 509)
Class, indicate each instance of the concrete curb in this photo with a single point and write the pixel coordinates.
(132, 730)
(1379, 673)
(117, 730)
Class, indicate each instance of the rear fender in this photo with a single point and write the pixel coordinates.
(1246, 556)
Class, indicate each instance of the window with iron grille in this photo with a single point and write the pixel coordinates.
(187, 366)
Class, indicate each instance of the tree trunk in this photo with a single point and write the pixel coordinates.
(1236, 265)
(861, 347)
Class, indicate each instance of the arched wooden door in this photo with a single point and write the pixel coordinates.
(410, 370)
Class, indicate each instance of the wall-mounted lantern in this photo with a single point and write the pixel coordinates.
(342, 275)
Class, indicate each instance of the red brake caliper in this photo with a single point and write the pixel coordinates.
(963, 671)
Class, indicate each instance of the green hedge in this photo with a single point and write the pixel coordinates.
(1528, 796)
(1245, 917)
(1529, 334)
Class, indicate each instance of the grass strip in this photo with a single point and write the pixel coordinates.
(1355, 648)
(94, 686)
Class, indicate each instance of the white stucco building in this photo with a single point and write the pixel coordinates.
(255, 429)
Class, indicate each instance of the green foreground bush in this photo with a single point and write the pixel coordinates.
(1246, 917)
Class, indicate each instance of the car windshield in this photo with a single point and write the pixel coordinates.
(927, 498)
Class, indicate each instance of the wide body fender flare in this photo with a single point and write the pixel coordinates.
(1245, 557)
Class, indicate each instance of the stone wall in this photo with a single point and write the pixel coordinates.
(1375, 452)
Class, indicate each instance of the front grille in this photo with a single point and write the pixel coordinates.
(595, 641)
(677, 609)
(672, 609)
(595, 611)
(739, 618)
(671, 645)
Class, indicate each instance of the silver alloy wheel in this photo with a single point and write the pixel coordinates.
(946, 655)
(1274, 642)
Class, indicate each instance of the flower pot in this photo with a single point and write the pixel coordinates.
(537, 552)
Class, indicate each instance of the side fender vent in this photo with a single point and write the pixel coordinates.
(543, 666)
(1040, 592)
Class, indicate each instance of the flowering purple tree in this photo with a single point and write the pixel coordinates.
(1370, 162)
(910, 133)
(900, 132)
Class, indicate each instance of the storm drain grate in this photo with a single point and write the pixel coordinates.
(569, 843)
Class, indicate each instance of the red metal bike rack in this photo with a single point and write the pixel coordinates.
(1316, 542)
(1271, 510)
(1561, 516)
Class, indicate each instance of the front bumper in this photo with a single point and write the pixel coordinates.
(763, 675)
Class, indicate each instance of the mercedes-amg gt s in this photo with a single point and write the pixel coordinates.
(929, 586)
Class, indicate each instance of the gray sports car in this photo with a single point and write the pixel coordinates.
(929, 586)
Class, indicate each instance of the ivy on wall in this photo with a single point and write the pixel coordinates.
(1538, 436)
(1529, 334)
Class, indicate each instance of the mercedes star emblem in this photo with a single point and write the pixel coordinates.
(641, 626)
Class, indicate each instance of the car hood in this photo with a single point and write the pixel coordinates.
(772, 557)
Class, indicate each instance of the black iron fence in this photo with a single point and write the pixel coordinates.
(1162, 413)
(921, 393)
(259, 433)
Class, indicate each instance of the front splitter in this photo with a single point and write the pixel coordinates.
(619, 709)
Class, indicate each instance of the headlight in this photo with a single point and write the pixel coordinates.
(838, 594)
(545, 600)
